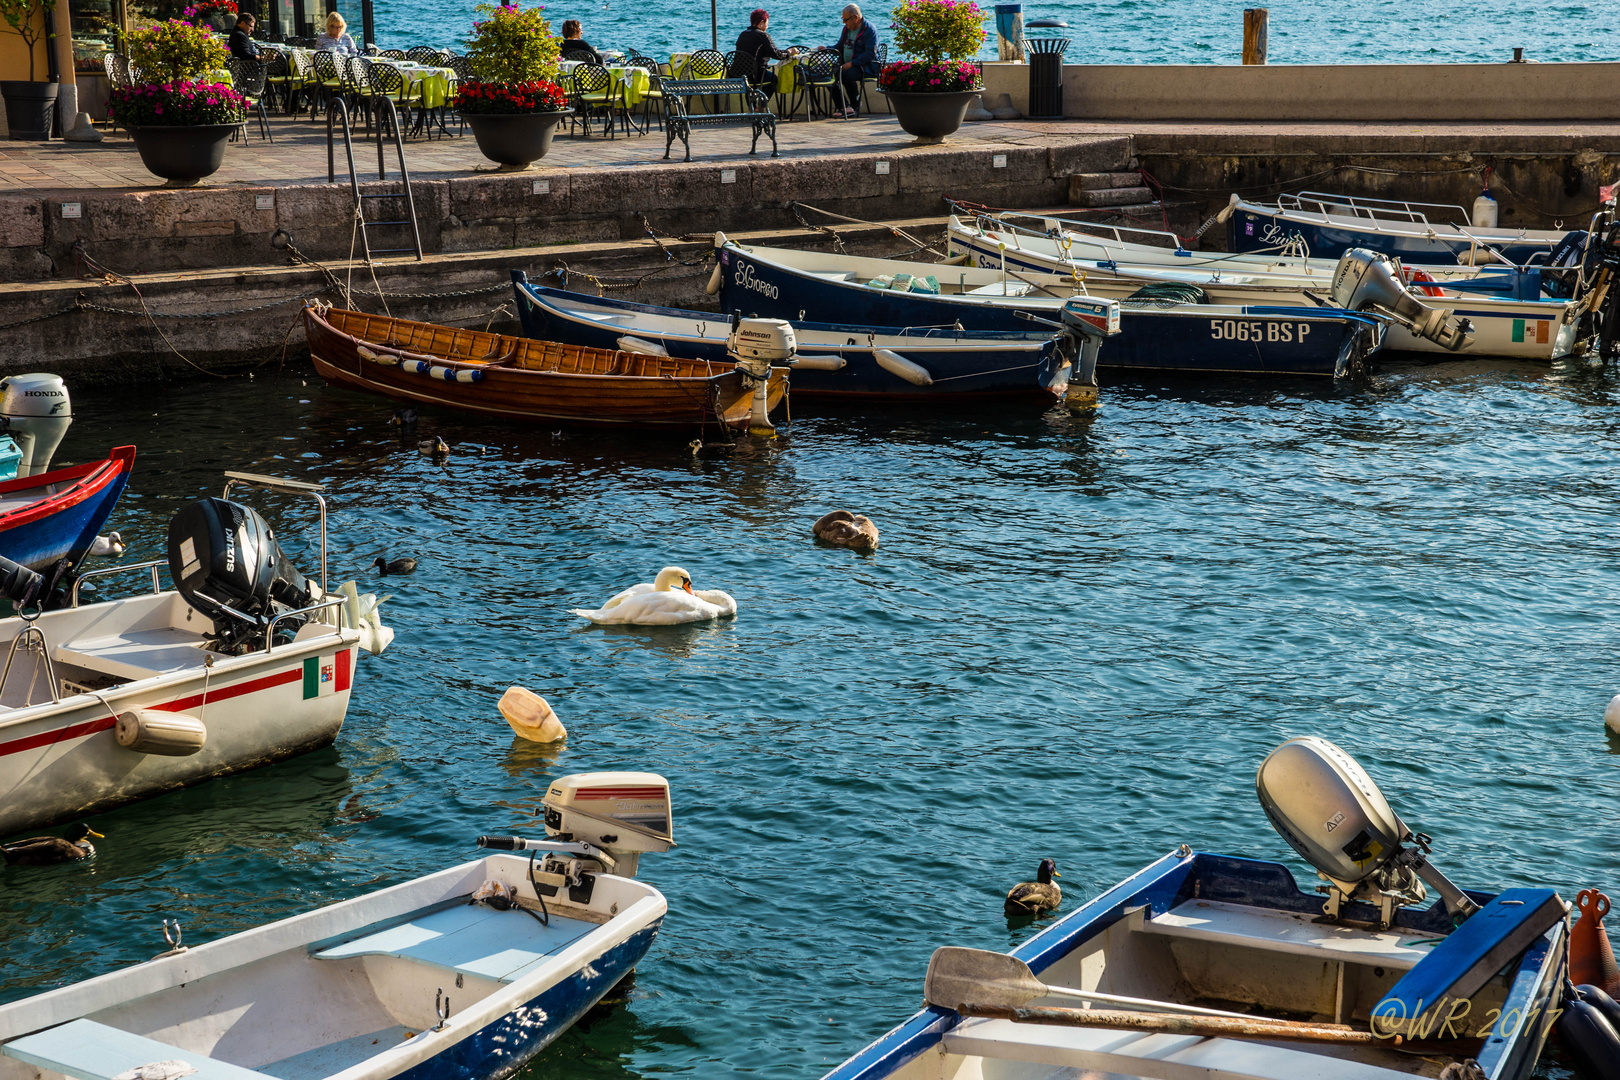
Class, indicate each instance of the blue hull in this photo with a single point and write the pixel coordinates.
(1014, 371)
(65, 524)
(1263, 340)
(1248, 231)
(501, 1048)
(1535, 982)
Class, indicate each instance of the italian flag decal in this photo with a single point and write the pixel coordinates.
(1535, 330)
(325, 675)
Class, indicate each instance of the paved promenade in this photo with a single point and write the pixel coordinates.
(298, 153)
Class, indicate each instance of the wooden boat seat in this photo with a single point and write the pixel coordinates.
(92, 1051)
(1135, 1053)
(470, 939)
(134, 654)
(1290, 932)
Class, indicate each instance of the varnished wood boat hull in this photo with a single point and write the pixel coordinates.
(517, 379)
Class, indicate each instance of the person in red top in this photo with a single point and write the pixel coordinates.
(755, 50)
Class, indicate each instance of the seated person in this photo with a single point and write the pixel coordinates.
(857, 48)
(241, 44)
(574, 46)
(755, 50)
(335, 39)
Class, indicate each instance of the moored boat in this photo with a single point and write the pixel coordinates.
(1213, 965)
(57, 515)
(245, 662)
(467, 973)
(514, 378)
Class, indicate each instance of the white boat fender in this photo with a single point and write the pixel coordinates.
(819, 363)
(642, 345)
(1590, 1038)
(895, 364)
(716, 277)
(1611, 715)
(1231, 208)
(166, 734)
(376, 357)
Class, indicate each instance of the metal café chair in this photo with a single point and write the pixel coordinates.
(421, 54)
(248, 77)
(328, 80)
(868, 95)
(277, 70)
(596, 94)
(655, 89)
(392, 54)
(820, 76)
(707, 64)
(389, 82)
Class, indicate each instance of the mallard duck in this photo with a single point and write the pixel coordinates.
(48, 850)
(668, 599)
(403, 418)
(397, 566)
(435, 448)
(844, 529)
(1036, 897)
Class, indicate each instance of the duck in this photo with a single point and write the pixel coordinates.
(1036, 897)
(844, 529)
(111, 544)
(667, 600)
(50, 850)
(435, 448)
(395, 566)
(403, 418)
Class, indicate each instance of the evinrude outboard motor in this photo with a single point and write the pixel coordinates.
(757, 345)
(226, 563)
(1366, 280)
(1087, 320)
(36, 413)
(1330, 811)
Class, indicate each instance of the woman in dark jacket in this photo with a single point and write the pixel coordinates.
(574, 45)
(857, 51)
(755, 50)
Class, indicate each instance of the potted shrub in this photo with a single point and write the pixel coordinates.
(29, 104)
(512, 101)
(931, 89)
(180, 115)
(217, 14)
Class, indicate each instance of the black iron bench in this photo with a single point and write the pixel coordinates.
(681, 120)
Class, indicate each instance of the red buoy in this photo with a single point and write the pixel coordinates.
(1591, 960)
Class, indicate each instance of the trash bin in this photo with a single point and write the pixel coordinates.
(1046, 77)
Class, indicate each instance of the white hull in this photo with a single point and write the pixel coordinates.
(60, 760)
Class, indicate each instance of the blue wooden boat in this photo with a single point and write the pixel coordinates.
(1156, 333)
(1213, 965)
(58, 514)
(464, 974)
(838, 358)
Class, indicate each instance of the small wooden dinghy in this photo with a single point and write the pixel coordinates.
(519, 379)
(466, 973)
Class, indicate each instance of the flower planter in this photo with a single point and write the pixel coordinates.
(930, 117)
(515, 140)
(183, 155)
(29, 106)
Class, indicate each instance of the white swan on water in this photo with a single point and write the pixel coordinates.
(667, 600)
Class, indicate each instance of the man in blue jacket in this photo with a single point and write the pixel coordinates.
(857, 52)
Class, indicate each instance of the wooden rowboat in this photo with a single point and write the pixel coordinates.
(519, 379)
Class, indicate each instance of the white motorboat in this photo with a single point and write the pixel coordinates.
(243, 663)
(464, 974)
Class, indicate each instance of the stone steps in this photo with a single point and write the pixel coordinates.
(1108, 189)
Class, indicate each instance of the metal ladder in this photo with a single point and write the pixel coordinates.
(337, 108)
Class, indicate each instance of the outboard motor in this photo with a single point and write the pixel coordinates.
(226, 563)
(36, 414)
(757, 345)
(1366, 280)
(1562, 266)
(1329, 810)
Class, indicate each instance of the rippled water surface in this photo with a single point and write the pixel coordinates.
(1102, 31)
(1077, 640)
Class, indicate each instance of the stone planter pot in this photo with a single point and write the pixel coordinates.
(931, 117)
(518, 140)
(183, 155)
(29, 107)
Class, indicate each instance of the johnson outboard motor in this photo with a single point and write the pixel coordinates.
(226, 563)
(1366, 280)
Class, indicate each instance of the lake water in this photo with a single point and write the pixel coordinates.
(1102, 31)
(1077, 640)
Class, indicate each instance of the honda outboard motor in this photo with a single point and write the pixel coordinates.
(36, 413)
(1366, 280)
(226, 563)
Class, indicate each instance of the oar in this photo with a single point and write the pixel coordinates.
(1209, 1027)
(996, 979)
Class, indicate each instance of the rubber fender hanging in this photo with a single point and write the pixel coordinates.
(1602, 1002)
(630, 344)
(819, 363)
(1590, 1039)
(895, 364)
(166, 734)
(456, 375)
(415, 367)
(376, 357)
(715, 279)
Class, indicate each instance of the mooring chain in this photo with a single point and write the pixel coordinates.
(86, 305)
(565, 271)
(838, 241)
(669, 255)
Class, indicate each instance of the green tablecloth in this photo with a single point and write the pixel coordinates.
(434, 83)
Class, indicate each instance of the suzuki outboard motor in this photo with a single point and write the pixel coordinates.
(1366, 280)
(36, 412)
(226, 563)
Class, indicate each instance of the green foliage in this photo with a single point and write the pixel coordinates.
(939, 30)
(173, 51)
(512, 45)
(19, 14)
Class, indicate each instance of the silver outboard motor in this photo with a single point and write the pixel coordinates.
(1330, 811)
(1087, 320)
(1367, 280)
(757, 345)
(36, 413)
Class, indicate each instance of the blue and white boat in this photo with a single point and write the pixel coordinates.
(1156, 333)
(838, 359)
(464, 974)
(1206, 965)
(1326, 226)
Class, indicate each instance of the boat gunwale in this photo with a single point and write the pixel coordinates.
(88, 480)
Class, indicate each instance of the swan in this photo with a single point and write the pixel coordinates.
(844, 529)
(669, 599)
